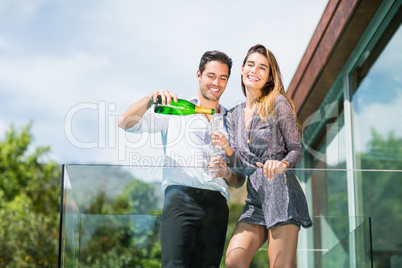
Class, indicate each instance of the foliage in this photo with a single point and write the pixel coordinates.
(379, 195)
(382, 192)
(123, 232)
(120, 232)
(384, 154)
(138, 197)
(29, 213)
(29, 203)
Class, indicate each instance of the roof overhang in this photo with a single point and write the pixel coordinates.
(338, 32)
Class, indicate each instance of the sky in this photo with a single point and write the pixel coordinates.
(72, 67)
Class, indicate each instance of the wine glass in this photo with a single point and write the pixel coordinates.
(217, 123)
(217, 126)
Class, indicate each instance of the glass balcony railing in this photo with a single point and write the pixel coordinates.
(110, 218)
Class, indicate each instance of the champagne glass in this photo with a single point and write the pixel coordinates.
(217, 126)
(213, 153)
(217, 123)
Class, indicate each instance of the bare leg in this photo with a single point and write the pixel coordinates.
(282, 245)
(247, 238)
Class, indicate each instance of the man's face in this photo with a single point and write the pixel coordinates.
(213, 80)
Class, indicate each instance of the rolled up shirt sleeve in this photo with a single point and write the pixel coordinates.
(150, 122)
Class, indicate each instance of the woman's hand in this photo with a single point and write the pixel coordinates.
(273, 166)
(220, 140)
(218, 167)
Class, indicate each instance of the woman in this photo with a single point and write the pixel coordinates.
(264, 133)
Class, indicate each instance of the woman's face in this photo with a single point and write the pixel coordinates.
(255, 71)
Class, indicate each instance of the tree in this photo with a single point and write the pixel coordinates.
(29, 202)
(382, 192)
(117, 232)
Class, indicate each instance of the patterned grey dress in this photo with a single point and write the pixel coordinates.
(280, 201)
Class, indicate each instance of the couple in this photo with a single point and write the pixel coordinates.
(263, 132)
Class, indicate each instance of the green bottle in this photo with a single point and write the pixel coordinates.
(181, 107)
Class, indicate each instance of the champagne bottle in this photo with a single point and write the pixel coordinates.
(181, 107)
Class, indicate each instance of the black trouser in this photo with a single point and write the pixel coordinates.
(193, 227)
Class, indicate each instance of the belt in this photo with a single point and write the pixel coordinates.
(195, 191)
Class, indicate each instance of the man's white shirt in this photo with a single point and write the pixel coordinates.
(186, 143)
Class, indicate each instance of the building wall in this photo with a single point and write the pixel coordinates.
(348, 95)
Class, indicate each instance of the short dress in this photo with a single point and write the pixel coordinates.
(282, 200)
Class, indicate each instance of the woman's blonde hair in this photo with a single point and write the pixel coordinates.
(272, 88)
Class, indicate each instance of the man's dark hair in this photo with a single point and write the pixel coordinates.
(215, 55)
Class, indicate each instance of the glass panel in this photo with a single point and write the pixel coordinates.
(324, 142)
(338, 255)
(381, 193)
(377, 106)
(324, 132)
(70, 226)
(377, 127)
(111, 218)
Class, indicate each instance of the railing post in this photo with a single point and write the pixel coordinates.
(348, 108)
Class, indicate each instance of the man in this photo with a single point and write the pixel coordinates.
(195, 212)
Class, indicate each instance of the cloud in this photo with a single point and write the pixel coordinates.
(383, 117)
(57, 55)
(25, 9)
